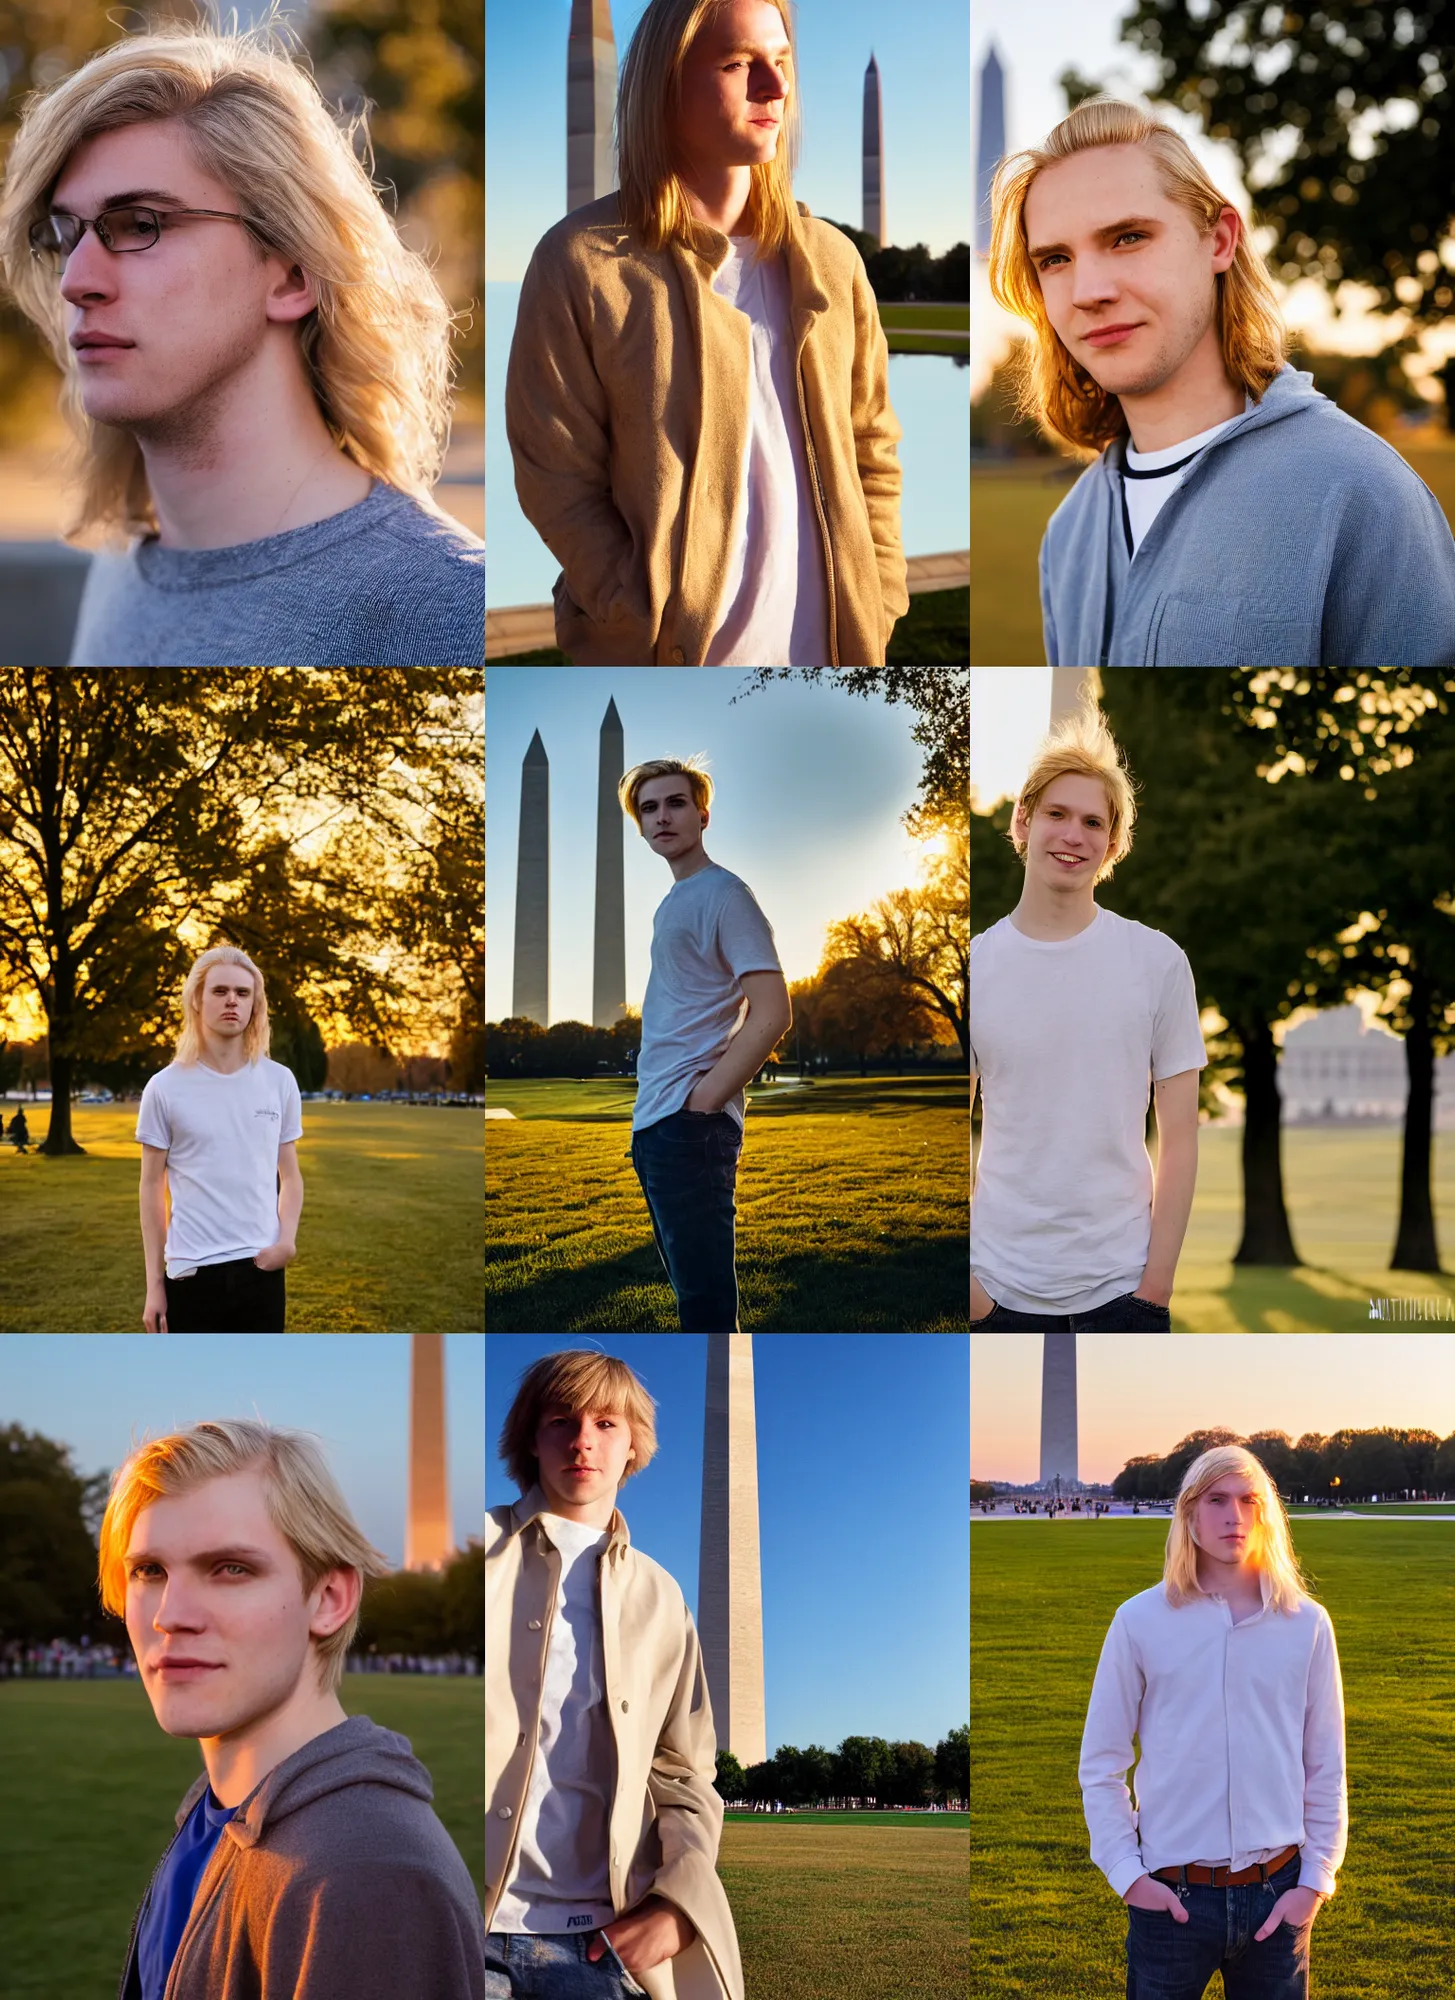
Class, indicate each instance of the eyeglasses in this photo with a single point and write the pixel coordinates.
(121, 230)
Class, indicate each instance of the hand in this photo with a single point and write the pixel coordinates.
(1295, 1907)
(276, 1255)
(1153, 1293)
(1147, 1893)
(981, 1303)
(154, 1312)
(649, 1935)
(701, 1098)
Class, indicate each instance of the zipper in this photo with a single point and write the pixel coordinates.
(821, 504)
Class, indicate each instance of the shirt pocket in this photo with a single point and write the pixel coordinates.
(1210, 628)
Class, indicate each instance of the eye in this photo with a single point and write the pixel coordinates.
(1133, 235)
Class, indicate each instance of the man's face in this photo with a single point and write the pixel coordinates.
(735, 82)
(209, 1578)
(1111, 250)
(197, 306)
(582, 1453)
(1228, 1518)
(670, 821)
(1071, 819)
(227, 1000)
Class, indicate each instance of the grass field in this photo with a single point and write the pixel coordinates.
(1045, 1925)
(91, 1787)
(389, 1241)
(932, 1820)
(851, 1211)
(1342, 1192)
(847, 1913)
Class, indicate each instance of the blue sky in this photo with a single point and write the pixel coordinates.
(861, 1492)
(100, 1393)
(923, 50)
(811, 785)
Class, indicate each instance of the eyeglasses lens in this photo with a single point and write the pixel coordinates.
(120, 229)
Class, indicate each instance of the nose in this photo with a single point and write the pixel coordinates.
(1093, 282)
(89, 275)
(769, 84)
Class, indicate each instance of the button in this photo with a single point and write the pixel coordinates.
(503, 1813)
(679, 658)
(625, 1706)
(535, 1625)
(521, 1739)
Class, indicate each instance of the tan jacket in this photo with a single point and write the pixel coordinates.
(666, 1819)
(626, 406)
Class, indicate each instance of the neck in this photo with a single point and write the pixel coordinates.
(1228, 1579)
(254, 460)
(238, 1762)
(718, 195)
(691, 863)
(591, 1514)
(226, 1054)
(1042, 914)
(1199, 395)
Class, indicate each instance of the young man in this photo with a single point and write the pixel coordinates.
(1235, 516)
(698, 394)
(716, 1007)
(307, 1863)
(257, 368)
(1076, 1010)
(602, 1824)
(1228, 1674)
(219, 1128)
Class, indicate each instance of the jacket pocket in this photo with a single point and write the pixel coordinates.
(1209, 628)
(621, 639)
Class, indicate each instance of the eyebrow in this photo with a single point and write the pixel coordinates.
(207, 1557)
(747, 49)
(1221, 1493)
(130, 195)
(670, 798)
(1104, 235)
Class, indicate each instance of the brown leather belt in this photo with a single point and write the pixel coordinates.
(1224, 1878)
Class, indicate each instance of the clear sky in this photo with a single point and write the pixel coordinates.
(923, 50)
(811, 783)
(100, 1393)
(861, 1504)
(1138, 1393)
(1010, 711)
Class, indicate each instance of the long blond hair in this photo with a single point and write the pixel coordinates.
(1081, 745)
(653, 200)
(1272, 1547)
(1054, 389)
(377, 347)
(257, 1035)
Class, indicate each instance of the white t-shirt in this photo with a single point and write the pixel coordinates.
(708, 930)
(774, 610)
(1066, 1037)
(1152, 477)
(221, 1135)
(561, 1880)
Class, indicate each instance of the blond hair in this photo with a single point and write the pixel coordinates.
(257, 1035)
(665, 767)
(576, 1379)
(377, 347)
(302, 1497)
(1271, 1547)
(653, 199)
(1054, 389)
(1081, 745)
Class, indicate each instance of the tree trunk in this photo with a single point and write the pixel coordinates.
(1267, 1238)
(60, 1001)
(1416, 1247)
(58, 1139)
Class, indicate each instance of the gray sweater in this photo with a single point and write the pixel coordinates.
(334, 1881)
(383, 584)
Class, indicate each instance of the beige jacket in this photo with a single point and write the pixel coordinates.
(666, 1819)
(626, 406)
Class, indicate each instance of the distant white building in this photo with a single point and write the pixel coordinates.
(1337, 1067)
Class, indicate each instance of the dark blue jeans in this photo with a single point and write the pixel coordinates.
(235, 1297)
(1171, 1961)
(520, 1967)
(688, 1167)
(1128, 1314)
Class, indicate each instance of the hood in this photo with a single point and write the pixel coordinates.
(1291, 393)
(356, 1752)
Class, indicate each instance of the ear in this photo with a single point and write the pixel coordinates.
(292, 294)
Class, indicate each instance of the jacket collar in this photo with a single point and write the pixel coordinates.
(534, 1503)
(807, 295)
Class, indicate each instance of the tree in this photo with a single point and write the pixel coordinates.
(48, 1520)
(940, 698)
(918, 940)
(462, 1591)
(731, 1782)
(952, 1764)
(862, 1767)
(912, 1775)
(297, 1043)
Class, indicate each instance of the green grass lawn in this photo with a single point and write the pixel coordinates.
(856, 1913)
(389, 1242)
(1045, 1924)
(851, 1210)
(91, 1787)
(1342, 1193)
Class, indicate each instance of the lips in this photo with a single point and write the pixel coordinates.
(84, 341)
(188, 1666)
(1108, 336)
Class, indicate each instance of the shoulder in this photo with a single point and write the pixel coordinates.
(277, 1074)
(155, 1085)
(827, 247)
(1325, 444)
(367, 1831)
(581, 238)
(414, 591)
(499, 1527)
(1153, 946)
(1148, 1607)
(645, 1577)
(984, 944)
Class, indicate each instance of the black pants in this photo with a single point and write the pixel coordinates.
(228, 1298)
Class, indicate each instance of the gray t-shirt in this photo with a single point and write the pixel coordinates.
(383, 584)
(707, 932)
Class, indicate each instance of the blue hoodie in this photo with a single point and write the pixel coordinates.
(1296, 539)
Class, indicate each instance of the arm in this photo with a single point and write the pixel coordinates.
(769, 1017)
(372, 1926)
(1176, 1178)
(980, 1300)
(877, 432)
(154, 1236)
(290, 1207)
(1112, 1716)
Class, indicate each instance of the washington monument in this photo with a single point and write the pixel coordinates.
(991, 145)
(1059, 1444)
(729, 1577)
(608, 977)
(533, 888)
(873, 155)
(590, 102)
(428, 1539)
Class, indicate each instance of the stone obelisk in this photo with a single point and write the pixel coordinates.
(1059, 1454)
(590, 102)
(990, 145)
(533, 888)
(428, 1539)
(608, 976)
(873, 155)
(729, 1578)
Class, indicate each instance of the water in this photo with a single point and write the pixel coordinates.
(931, 398)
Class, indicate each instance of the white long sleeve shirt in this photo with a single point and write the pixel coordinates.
(1242, 1740)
